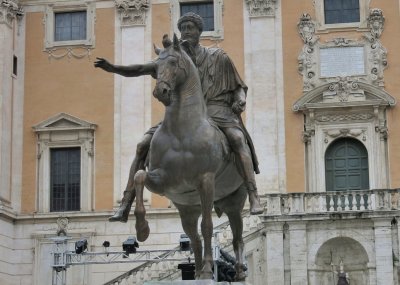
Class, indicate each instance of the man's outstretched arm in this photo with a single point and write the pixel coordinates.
(133, 70)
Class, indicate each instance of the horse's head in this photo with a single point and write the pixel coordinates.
(173, 66)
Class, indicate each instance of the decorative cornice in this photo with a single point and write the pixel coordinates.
(9, 10)
(132, 12)
(374, 96)
(261, 8)
(345, 117)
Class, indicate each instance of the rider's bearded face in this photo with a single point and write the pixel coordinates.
(190, 32)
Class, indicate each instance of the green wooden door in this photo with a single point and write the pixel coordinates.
(346, 166)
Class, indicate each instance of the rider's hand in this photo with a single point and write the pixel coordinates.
(239, 106)
(103, 64)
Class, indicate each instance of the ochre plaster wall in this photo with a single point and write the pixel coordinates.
(293, 85)
(72, 86)
(292, 44)
(391, 41)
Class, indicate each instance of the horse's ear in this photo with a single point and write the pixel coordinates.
(166, 41)
(157, 50)
(176, 43)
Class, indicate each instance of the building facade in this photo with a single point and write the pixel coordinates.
(322, 79)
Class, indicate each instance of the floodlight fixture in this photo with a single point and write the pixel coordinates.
(184, 243)
(81, 246)
(130, 245)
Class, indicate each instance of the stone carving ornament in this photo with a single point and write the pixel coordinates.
(355, 133)
(133, 12)
(378, 57)
(306, 29)
(343, 90)
(9, 10)
(309, 60)
(261, 8)
(375, 22)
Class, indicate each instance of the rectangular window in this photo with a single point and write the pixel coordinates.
(65, 179)
(70, 26)
(15, 65)
(203, 9)
(341, 11)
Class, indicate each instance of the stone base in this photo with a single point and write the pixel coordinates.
(194, 282)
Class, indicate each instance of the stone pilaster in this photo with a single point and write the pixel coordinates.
(9, 13)
(274, 254)
(132, 94)
(383, 251)
(264, 77)
(298, 253)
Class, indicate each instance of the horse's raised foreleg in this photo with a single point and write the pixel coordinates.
(206, 190)
(189, 218)
(142, 226)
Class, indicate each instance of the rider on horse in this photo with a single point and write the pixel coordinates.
(225, 96)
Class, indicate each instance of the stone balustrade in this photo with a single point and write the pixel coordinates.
(332, 202)
(277, 205)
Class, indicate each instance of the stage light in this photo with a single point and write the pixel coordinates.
(130, 245)
(184, 243)
(80, 246)
(106, 243)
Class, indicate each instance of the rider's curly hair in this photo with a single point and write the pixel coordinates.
(192, 17)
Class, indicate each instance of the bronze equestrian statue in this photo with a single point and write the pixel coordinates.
(225, 95)
(189, 161)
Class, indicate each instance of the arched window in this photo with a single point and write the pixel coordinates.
(346, 166)
(341, 11)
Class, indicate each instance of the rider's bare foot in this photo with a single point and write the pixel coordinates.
(255, 205)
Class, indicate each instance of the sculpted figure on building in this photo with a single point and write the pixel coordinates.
(225, 95)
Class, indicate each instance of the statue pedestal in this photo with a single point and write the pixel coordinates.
(194, 282)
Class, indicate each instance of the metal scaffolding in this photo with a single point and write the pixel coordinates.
(64, 258)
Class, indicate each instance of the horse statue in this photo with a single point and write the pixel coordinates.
(190, 162)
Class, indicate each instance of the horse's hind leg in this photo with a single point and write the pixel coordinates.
(236, 223)
(206, 190)
(142, 226)
(189, 218)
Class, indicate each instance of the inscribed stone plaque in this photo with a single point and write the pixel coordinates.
(342, 61)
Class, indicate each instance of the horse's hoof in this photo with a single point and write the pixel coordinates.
(206, 275)
(240, 276)
(256, 210)
(142, 230)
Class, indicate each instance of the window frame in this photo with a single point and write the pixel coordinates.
(65, 203)
(320, 17)
(64, 131)
(218, 32)
(49, 22)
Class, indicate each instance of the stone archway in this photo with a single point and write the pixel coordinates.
(340, 249)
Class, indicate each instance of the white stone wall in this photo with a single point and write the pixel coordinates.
(132, 97)
(25, 246)
(265, 109)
